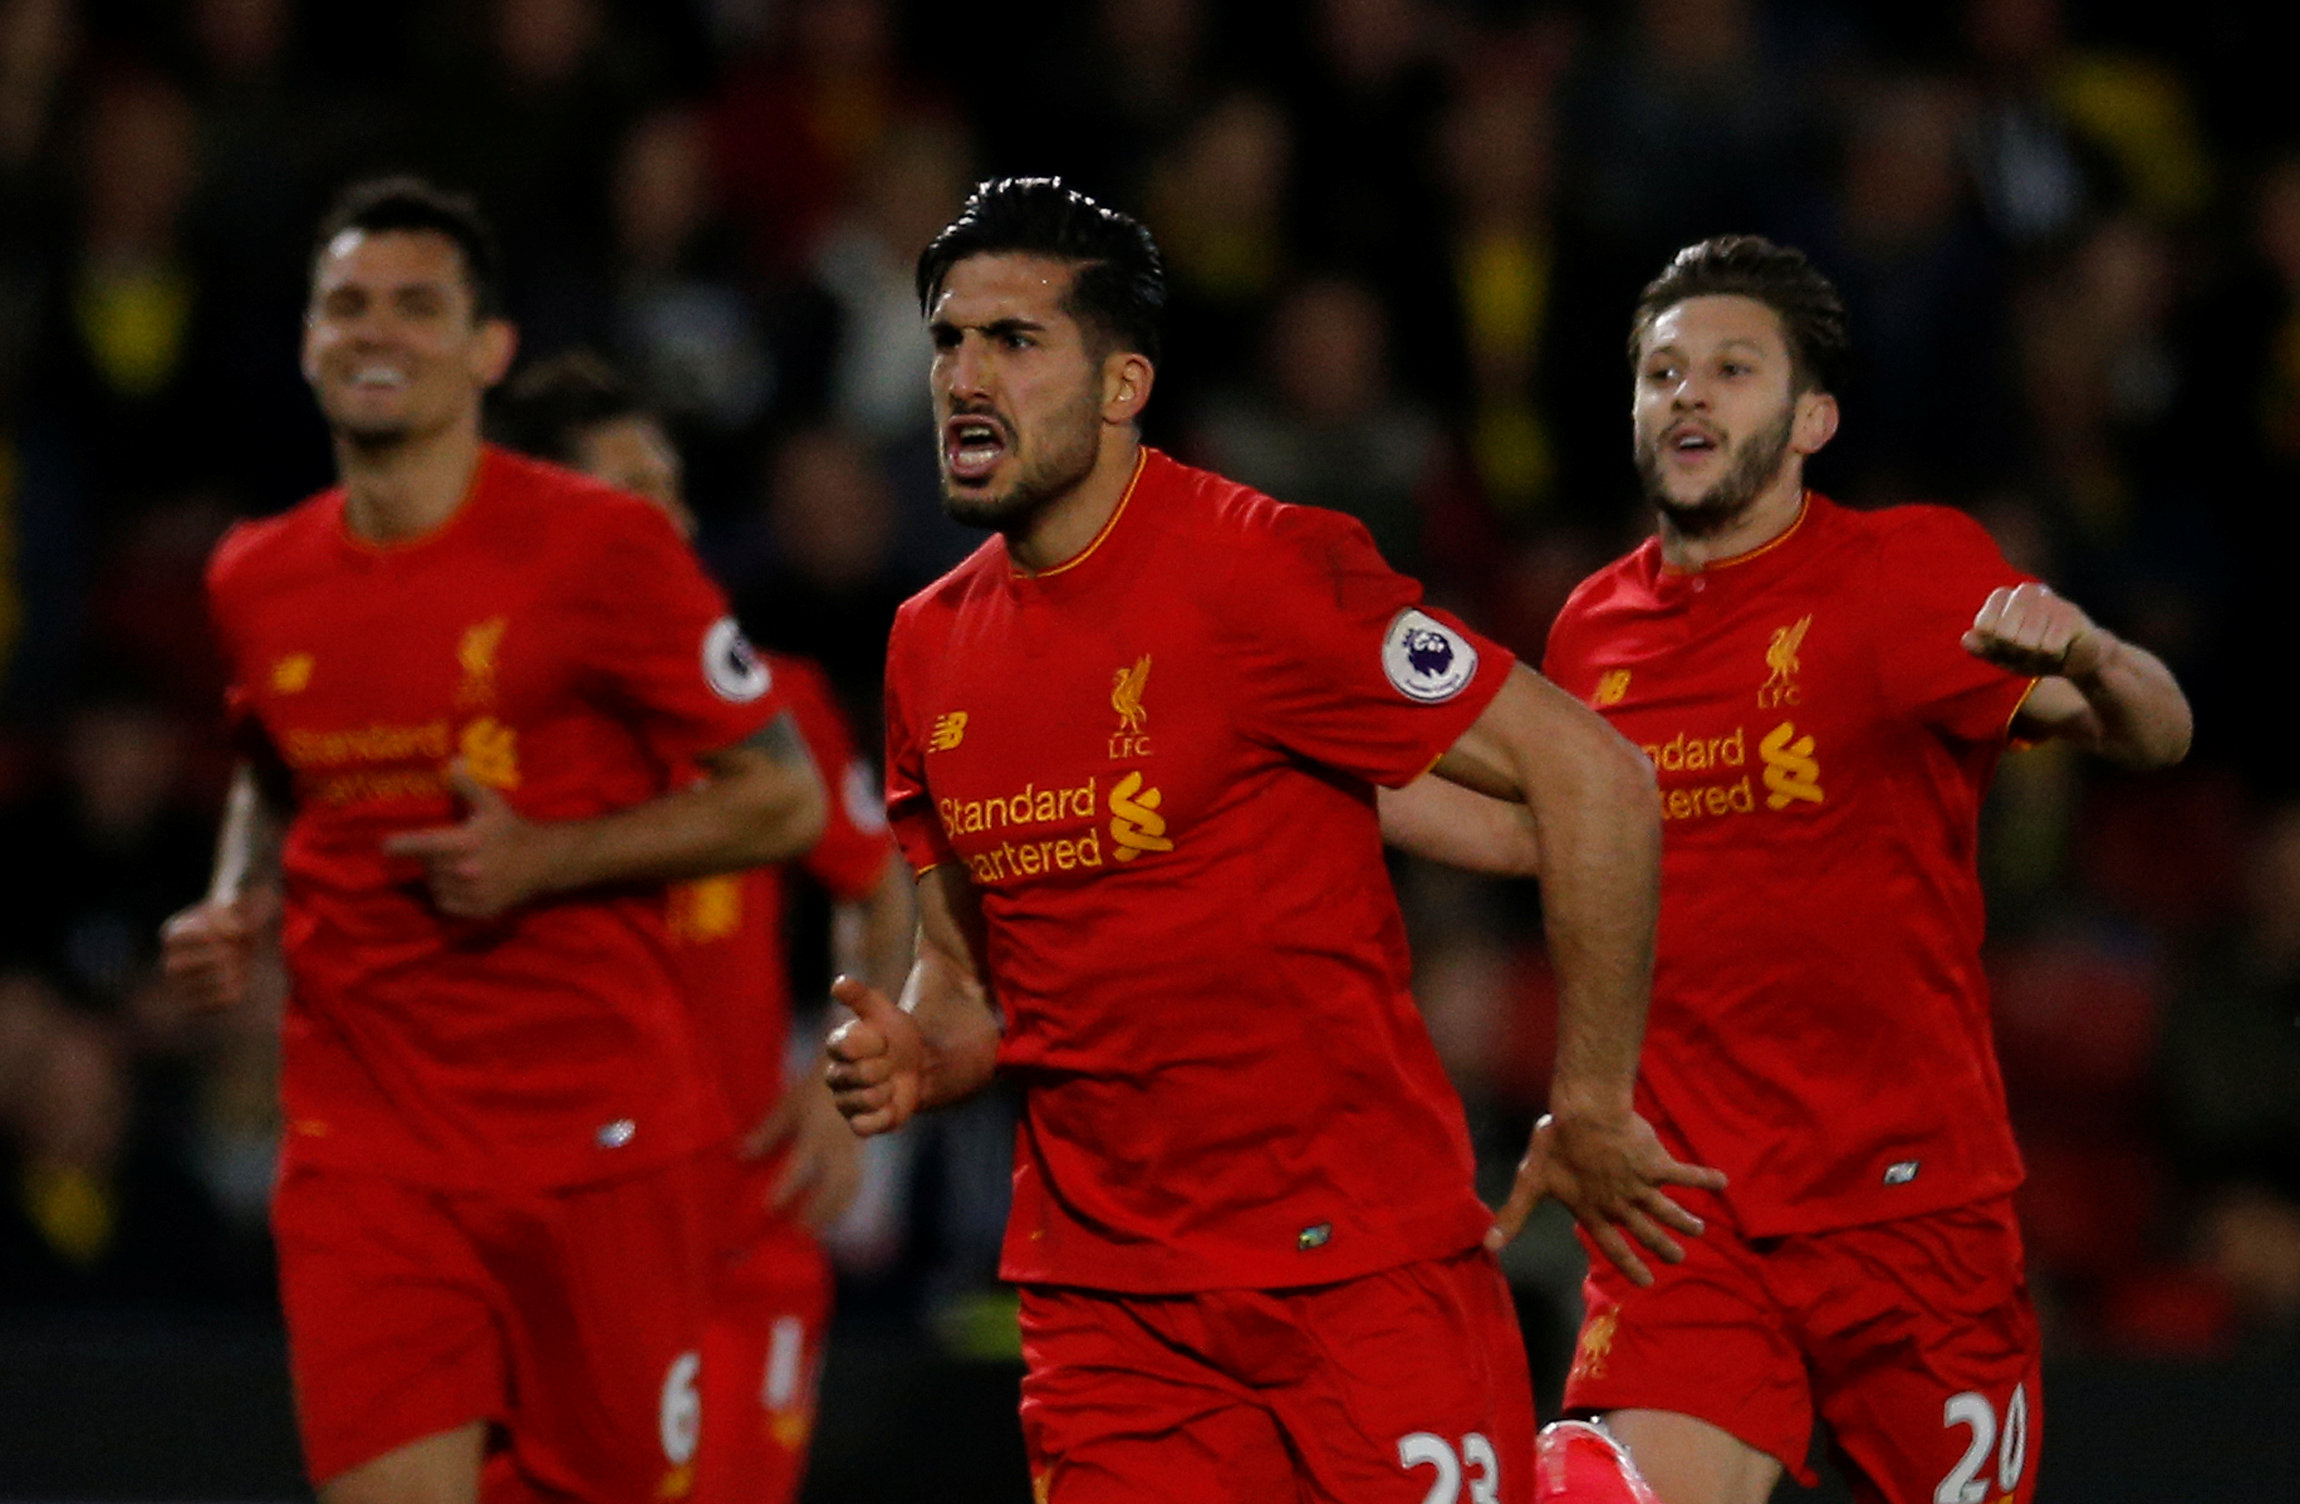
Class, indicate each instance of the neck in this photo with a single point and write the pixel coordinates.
(405, 490)
(1773, 513)
(1060, 530)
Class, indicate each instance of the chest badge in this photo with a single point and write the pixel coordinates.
(291, 675)
(1126, 687)
(949, 730)
(1780, 686)
(1612, 685)
(476, 654)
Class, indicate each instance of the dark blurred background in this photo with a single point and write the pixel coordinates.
(1404, 236)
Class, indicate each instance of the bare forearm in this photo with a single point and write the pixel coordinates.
(1600, 881)
(758, 805)
(1441, 821)
(2142, 718)
(959, 1024)
(872, 939)
(1597, 833)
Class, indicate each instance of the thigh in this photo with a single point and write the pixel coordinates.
(605, 1297)
(1122, 1405)
(1416, 1390)
(1926, 1357)
(1707, 1339)
(762, 1358)
(392, 1336)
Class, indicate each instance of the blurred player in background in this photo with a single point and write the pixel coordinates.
(771, 1279)
(1825, 694)
(459, 677)
(1134, 745)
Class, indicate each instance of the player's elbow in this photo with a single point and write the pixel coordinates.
(2163, 746)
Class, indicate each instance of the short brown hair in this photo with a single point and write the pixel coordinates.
(1750, 266)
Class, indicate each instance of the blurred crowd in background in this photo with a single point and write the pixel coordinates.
(1403, 237)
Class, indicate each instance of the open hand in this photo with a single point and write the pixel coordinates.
(878, 1061)
(490, 862)
(1608, 1172)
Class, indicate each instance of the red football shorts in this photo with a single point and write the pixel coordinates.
(1406, 1385)
(762, 1350)
(571, 1320)
(1914, 1339)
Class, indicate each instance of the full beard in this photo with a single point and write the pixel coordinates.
(1072, 448)
(1756, 462)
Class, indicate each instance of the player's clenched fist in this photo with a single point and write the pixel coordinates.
(2030, 630)
(878, 1060)
(208, 950)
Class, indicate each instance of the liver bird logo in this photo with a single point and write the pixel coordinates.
(476, 653)
(1126, 694)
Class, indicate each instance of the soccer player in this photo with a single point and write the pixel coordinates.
(1134, 744)
(1824, 693)
(771, 1279)
(459, 677)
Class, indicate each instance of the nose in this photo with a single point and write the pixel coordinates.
(966, 370)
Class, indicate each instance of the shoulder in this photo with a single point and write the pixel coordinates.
(1619, 584)
(1211, 509)
(565, 504)
(1920, 530)
(257, 548)
(972, 577)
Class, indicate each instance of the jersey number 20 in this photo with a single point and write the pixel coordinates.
(1963, 1485)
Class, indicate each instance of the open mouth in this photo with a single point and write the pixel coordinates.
(972, 446)
(378, 379)
(1690, 442)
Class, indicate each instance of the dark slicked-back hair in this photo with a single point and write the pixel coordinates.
(1118, 295)
(1749, 266)
(409, 203)
(547, 408)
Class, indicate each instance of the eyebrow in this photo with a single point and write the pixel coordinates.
(1737, 341)
(994, 328)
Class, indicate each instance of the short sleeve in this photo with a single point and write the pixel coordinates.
(854, 846)
(656, 636)
(1338, 660)
(909, 808)
(1937, 569)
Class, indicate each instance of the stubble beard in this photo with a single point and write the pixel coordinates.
(1757, 461)
(1073, 437)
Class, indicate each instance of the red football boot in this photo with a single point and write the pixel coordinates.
(1577, 1462)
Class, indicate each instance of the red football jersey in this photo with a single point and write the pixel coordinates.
(1158, 762)
(560, 639)
(727, 931)
(1820, 1022)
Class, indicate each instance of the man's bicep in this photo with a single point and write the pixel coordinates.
(1528, 719)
